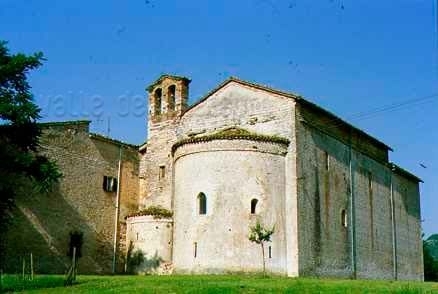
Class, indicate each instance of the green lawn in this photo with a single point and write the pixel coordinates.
(211, 284)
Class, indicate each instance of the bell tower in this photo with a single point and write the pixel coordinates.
(168, 98)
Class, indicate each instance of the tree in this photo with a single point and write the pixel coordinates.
(430, 264)
(260, 235)
(19, 131)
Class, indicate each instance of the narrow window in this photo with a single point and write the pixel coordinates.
(195, 249)
(162, 172)
(270, 252)
(253, 205)
(171, 98)
(202, 199)
(137, 236)
(326, 161)
(344, 218)
(157, 101)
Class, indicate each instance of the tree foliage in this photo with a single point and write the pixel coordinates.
(19, 131)
(260, 234)
(430, 264)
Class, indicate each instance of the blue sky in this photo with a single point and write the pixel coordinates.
(350, 57)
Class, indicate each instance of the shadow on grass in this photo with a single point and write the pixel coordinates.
(15, 283)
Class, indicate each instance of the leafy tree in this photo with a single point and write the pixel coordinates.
(260, 235)
(430, 264)
(19, 131)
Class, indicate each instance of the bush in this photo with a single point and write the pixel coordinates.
(430, 264)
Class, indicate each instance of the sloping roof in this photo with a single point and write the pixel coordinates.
(162, 77)
(231, 133)
(111, 140)
(64, 123)
(401, 171)
(297, 98)
(92, 135)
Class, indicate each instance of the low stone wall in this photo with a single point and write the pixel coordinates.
(153, 237)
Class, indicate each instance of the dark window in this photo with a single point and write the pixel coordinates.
(171, 98)
(254, 205)
(162, 172)
(202, 199)
(157, 101)
(270, 252)
(75, 245)
(344, 220)
(109, 184)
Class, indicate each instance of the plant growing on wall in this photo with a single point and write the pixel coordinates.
(156, 211)
(260, 234)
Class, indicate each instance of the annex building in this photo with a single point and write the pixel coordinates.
(243, 153)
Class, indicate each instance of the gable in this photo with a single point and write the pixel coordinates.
(239, 104)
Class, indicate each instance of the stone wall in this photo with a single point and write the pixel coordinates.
(238, 104)
(409, 245)
(230, 173)
(364, 247)
(156, 162)
(153, 237)
(42, 222)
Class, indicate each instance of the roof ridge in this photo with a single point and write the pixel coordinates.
(297, 97)
(111, 140)
(67, 122)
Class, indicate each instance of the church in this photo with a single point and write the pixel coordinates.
(242, 154)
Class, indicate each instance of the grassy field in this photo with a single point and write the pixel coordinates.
(210, 284)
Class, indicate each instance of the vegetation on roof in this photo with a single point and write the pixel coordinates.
(232, 134)
(157, 212)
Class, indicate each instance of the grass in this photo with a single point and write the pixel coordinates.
(210, 284)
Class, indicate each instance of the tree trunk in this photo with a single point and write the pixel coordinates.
(263, 255)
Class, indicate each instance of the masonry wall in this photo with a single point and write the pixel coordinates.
(258, 111)
(326, 247)
(155, 183)
(156, 188)
(408, 229)
(153, 237)
(230, 173)
(323, 243)
(42, 222)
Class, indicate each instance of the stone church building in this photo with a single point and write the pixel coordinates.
(243, 153)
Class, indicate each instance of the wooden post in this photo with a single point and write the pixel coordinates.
(24, 267)
(31, 266)
(74, 263)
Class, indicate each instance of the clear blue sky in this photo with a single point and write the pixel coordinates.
(347, 56)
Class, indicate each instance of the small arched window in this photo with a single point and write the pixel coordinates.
(344, 220)
(202, 203)
(171, 97)
(254, 205)
(157, 101)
